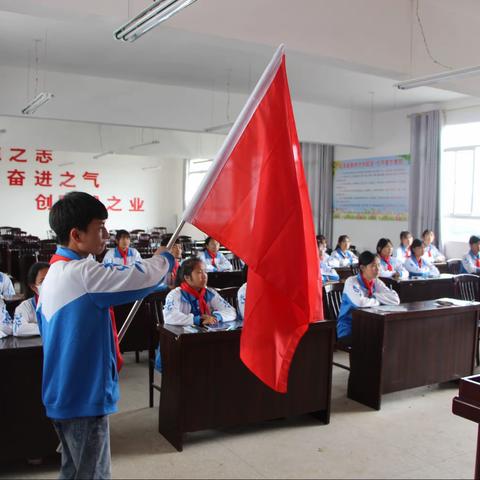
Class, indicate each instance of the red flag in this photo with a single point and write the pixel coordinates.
(255, 201)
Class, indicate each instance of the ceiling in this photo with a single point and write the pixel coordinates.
(346, 53)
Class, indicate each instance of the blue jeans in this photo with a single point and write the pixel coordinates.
(85, 447)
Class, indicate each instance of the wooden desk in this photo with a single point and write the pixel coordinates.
(344, 272)
(25, 431)
(422, 345)
(205, 385)
(226, 279)
(442, 267)
(421, 289)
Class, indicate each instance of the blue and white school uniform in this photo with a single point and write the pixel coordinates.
(221, 262)
(113, 255)
(355, 295)
(6, 325)
(25, 319)
(80, 376)
(402, 253)
(397, 266)
(329, 274)
(426, 270)
(345, 259)
(433, 254)
(330, 261)
(241, 299)
(469, 263)
(6, 286)
(181, 308)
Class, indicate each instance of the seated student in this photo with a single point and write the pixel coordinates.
(241, 298)
(432, 253)
(471, 261)
(362, 290)
(122, 254)
(213, 259)
(342, 254)
(25, 317)
(328, 273)
(6, 286)
(416, 265)
(403, 251)
(176, 251)
(192, 302)
(390, 267)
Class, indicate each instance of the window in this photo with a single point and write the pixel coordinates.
(195, 171)
(460, 181)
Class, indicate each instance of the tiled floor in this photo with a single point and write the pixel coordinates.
(414, 435)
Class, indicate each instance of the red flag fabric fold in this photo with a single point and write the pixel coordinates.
(256, 203)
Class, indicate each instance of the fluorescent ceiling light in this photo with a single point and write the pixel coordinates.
(217, 128)
(153, 142)
(153, 167)
(37, 102)
(438, 77)
(153, 15)
(103, 154)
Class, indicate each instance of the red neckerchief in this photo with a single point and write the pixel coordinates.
(477, 262)
(387, 261)
(429, 250)
(200, 296)
(419, 261)
(175, 269)
(123, 254)
(57, 258)
(408, 252)
(369, 285)
(212, 256)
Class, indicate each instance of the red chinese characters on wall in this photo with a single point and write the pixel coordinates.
(43, 176)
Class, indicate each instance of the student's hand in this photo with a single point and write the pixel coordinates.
(208, 319)
(160, 250)
(396, 276)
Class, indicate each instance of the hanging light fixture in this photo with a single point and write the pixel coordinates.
(40, 98)
(149, 18)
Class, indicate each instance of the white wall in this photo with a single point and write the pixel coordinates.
(121, 102)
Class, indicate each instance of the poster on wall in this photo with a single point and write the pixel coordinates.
(371, 188)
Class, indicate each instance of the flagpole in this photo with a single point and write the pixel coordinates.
(138, 303)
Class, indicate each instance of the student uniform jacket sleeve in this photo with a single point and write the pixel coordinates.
(136, 255)
(398, 267)
(385, 295)
(6, 286)
(221, 309)
(241, 298)
(25, 319)
(469, 264)
(331, 261)
(176, 311)
(224, 264)
(111, 284)
(426, 270)
(6, 327)
(108, 258)
(357, 296)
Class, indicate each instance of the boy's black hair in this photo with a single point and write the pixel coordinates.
(366, 258)
(382, 243)
(474, 239)
(32, 275)
(121, 233)
(186, 269)
(166, 238)
(321, 239)
(404, 234)
(416, 243)
(75, 210)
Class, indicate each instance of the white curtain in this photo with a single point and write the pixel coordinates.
(318, 165)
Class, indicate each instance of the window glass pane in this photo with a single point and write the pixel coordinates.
(463, 182)
(196, 170)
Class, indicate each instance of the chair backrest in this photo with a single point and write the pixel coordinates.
(236, 263)
(355, 269)
(332, 299)
(467, 287)
(230, 295)
(454, 266)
